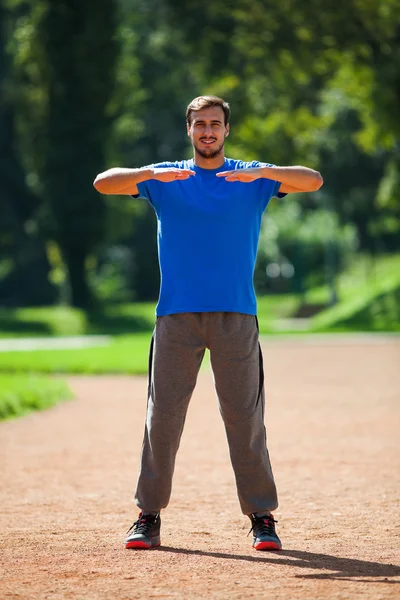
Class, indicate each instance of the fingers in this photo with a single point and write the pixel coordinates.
(229, 175)
(184, 173)
(172, 174)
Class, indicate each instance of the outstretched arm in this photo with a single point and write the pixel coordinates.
(121, 181)
(124, 181)
(293, 179)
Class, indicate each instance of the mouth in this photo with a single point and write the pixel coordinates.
(207, 142)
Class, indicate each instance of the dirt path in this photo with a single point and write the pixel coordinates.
(67, 478)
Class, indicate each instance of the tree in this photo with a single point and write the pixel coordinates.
(26, 267)
(299, 73)
(75, 40)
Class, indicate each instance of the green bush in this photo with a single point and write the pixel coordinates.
(64, 320)
(110, 279)
(51, 320)
(309, 241)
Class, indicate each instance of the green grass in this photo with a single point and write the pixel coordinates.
(369, 301)
(66, 321)
(125, 354)
(366, 290)
(272, 308)
(369, 295)
(44, 321)
(21, 394)
(120, 319)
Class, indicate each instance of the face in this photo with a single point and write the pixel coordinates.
(207, 131)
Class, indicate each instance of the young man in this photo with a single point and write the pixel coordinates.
(209, 212)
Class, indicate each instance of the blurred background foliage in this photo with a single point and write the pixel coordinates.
(86, 85)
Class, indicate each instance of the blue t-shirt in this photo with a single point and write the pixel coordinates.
(208, 231)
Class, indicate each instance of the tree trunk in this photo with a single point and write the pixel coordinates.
(81, 296)
(77, 38)
(28, 283)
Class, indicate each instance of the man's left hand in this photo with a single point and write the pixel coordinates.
(243, 175)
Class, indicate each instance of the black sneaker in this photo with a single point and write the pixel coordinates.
(145, 532)
(264, 534)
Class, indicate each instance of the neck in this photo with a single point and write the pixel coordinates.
(209, 163)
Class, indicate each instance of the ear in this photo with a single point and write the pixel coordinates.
(227, 130)
(188, 129)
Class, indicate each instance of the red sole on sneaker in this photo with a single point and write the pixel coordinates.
(141, 545)
(267, 546)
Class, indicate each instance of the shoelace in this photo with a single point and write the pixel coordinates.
(265, 525)
(143, 524)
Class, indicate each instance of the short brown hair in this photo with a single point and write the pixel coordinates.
(205, 102)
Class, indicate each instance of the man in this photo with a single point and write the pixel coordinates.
(209, 212)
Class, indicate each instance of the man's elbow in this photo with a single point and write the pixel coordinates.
(100, 184)
(318, 181)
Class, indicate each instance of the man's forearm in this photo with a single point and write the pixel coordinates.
(301, 178)
(116, 180)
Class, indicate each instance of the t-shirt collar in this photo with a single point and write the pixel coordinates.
(202, 171)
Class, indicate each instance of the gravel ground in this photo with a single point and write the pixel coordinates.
(68, 475)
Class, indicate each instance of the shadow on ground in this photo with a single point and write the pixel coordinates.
(341, 568)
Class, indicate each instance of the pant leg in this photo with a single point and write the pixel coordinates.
(176, 354)
(237, 366)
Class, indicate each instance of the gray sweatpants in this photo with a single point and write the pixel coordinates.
(177, 349)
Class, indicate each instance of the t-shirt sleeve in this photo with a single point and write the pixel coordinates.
(151, 189)
(270, 186)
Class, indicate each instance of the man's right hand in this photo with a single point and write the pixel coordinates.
(171, 174)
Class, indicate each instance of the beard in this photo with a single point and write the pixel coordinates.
(209, 152)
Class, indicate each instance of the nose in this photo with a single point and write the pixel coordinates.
(207, 129)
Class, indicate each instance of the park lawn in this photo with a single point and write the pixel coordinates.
(369, 295)
(368, 291)
(67, 321)
(119, 319)
(23, 393)
(124, 354)
(358, 285)
(363, 276)
(272, 308)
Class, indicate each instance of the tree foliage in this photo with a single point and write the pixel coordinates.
(22, 248)
(66, 60)
(90, 85)
(75, 39)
